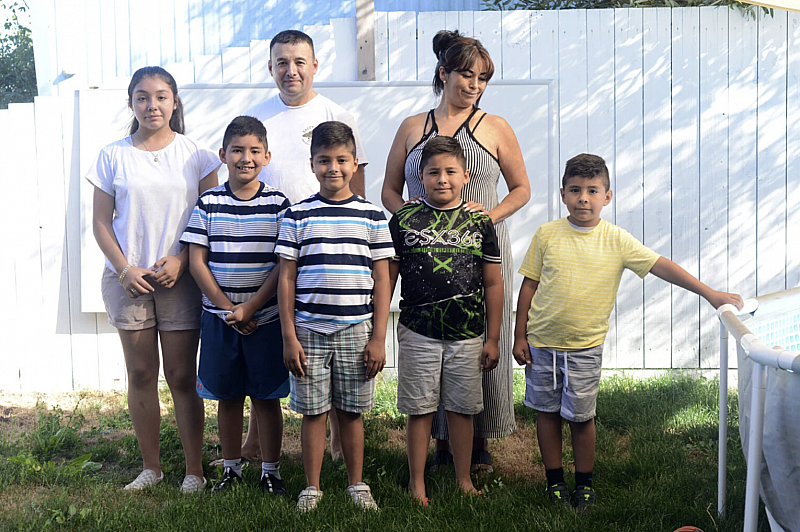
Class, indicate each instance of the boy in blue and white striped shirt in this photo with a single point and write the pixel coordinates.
(334, 249)
(231, 237)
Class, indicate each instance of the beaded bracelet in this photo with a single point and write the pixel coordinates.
(124, 273)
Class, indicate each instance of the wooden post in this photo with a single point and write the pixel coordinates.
(365, 35)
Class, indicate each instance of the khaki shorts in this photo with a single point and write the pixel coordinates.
(431, 371)
(170, 309)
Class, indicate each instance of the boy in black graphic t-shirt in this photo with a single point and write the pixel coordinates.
(449, 261)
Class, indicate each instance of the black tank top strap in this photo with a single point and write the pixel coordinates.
(479, 121)
(432, 119)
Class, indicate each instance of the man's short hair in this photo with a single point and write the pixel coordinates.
(242, 126)
(442, 145)
(291, 37)
(588, 166)
(330, 134)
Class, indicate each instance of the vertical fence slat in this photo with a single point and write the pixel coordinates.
(572, 86)
(167, 20)
(211, 23)
(466, 22)
(70, 23)
(94, 43)
(713, 170)
(323, 49)
(108, 42)
(196, 29)
(516, 45)
(207, 69)
(183, 28)
(236, 65)
(793, 153)
(381, 46)
(122, 32)
(25, 250)
(345, 60)
(9, 376)
(600, 28)
(657, 140)
(83, 325)
(771, 217)
(428, 24)
(685, 182)
(54, 319)
(402, 45)
(487, 27)
(742, 120)
(259, 61)
(629, 205)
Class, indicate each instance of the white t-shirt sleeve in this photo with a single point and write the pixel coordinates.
(101, 174)
(346, 117)
(207, 162)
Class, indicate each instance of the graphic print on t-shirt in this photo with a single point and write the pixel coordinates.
(441, 255)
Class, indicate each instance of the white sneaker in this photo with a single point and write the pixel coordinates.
(308, 499)
(193, 484)
(362, 496)
(145, 479)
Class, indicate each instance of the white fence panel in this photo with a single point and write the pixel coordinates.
(771, 217)
(685, 182)
(793, 153)
(713, 171)
(657, 143)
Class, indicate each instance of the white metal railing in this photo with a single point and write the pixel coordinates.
(762, 356)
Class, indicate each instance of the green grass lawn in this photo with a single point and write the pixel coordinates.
(655, 471)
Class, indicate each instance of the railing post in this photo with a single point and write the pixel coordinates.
(754, 447)
(722, 473)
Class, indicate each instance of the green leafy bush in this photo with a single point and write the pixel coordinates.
(17, 66)
(508, 5)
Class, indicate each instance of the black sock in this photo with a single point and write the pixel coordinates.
(583, 479)
(554, 476)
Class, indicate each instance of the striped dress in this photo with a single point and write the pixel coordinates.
(497, 418)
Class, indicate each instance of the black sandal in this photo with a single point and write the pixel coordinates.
(441, 458)
(481, 461)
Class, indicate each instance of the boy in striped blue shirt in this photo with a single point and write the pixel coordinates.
(334, 248)
(231, 236)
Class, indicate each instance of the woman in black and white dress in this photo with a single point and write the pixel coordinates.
(463, 69)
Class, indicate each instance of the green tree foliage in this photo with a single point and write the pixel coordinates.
(507, 5)
(17, 67)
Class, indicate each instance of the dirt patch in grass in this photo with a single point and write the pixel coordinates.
(517, 456)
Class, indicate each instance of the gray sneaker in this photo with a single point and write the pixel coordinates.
(585, 499)
(308, 499)
(362, 496)
(558, 493)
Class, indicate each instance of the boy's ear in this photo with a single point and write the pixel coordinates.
(269, 66)
(311, 159)
(267, 157)
(562, 197)
(222, 156)
(609, 194)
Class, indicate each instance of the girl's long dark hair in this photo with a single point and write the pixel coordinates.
(176, 121)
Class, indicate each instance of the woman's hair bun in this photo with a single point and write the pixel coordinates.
(444, 39)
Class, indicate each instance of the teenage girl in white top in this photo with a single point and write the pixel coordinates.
(145, 188)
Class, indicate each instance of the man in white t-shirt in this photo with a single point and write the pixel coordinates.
(291, 115)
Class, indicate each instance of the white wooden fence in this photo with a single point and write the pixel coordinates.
(697, 111)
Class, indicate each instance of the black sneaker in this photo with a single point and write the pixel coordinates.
(585, 498)
(272, 484)
(558, 493)
(229, 479)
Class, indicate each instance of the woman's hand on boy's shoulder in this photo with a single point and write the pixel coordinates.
(490, 355)
(374, 357)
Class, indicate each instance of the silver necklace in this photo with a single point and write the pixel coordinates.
(155, 155)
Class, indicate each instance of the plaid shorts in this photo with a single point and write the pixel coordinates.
(336, 374)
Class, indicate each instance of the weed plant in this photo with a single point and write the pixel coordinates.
(655, 471)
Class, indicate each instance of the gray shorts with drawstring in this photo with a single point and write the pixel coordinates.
(566, 382)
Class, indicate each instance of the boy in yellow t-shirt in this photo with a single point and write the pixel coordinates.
(571, 276)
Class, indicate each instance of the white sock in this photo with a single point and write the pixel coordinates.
(236, 465)
(273, 468)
